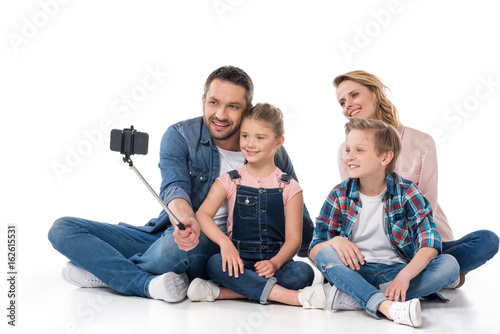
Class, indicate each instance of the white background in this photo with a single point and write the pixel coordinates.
(68, 66)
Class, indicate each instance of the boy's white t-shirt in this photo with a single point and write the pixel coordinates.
(229, 160)
(368, 233)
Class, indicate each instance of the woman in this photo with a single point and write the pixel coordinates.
(362, 94)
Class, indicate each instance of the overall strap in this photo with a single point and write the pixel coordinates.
(235, 177)
(284, 180)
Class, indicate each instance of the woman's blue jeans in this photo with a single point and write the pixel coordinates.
(472, 250)
(294, 275)
(127, 259)
(363, 285)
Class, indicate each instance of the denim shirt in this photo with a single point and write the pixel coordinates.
(189, 165)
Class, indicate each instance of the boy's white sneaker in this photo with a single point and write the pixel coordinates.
(201, 290)
(312, 297)
(407, 313)
(75, 275)
(170, 287)
(458, 283)
(337, 300)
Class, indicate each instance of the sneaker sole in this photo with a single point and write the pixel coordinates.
(197, 285)
(415, 313)
(176, 286)
(331, 299)
(462, 280)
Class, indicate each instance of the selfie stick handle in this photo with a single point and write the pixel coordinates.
(164, 206)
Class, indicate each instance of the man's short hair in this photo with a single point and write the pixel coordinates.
(235, 76)
(385, 137)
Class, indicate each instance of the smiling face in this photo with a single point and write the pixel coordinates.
(356, 100)
(223, 106)
(258, 143)
(361, 159)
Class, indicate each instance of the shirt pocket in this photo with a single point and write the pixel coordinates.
(247, 206)
(199, 178)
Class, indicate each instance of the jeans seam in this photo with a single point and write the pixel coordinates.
(87, 228)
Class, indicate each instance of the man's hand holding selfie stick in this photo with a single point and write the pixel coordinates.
(129, 142)
(187, 238)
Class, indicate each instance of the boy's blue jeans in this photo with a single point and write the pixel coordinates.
(127, 259)
(472, 250)
(363, 285)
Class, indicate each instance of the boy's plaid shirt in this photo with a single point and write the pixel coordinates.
(408, 216)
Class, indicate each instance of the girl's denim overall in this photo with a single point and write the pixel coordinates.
(258, 234)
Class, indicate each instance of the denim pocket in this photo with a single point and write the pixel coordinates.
(247, 206)
(199, 178)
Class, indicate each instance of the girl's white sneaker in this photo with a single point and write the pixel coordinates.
(201, 290)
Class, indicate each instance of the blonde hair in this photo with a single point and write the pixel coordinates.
(268, 114)
(384, 109)
(385, 137)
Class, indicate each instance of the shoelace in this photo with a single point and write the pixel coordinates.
(402, 314)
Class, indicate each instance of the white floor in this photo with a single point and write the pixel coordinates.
(47, 304)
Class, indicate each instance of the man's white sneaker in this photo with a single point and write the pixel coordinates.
(170, 287)
(81, 277)
(201, 290)
(312, 297)
(337, 300)
(407, 313)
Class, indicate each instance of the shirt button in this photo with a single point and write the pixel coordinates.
(261, 211)
(263, 247)
(262, 230)
(261, 191)
(201, 178)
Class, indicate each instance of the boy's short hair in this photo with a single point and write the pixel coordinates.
(385, 137)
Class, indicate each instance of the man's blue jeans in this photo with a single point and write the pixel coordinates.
(127, 259)
(472, 250)
(294, 275)
(363, 285)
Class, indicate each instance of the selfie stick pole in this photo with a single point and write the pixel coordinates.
(176, 221)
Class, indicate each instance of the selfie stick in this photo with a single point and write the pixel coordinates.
(176, 221)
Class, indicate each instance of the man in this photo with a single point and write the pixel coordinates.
(158, 260)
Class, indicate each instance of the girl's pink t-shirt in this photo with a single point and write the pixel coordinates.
(272, 181)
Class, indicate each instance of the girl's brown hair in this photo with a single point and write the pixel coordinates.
(268, 114)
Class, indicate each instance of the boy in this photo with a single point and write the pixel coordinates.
(375, 231)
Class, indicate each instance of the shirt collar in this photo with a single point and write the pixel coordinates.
(390, 179)
(354, 193)
(205, 135)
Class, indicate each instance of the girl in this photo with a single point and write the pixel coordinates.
(362, 94)
(264, 225)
